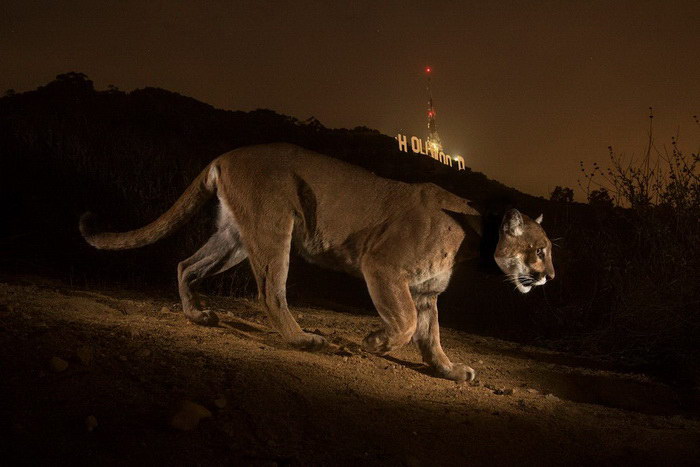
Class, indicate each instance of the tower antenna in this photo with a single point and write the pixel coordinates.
(434, 143)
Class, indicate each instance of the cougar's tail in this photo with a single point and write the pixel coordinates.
(199, 192)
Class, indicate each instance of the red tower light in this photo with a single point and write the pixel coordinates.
(428, 69)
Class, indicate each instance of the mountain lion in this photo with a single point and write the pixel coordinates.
(403, 239)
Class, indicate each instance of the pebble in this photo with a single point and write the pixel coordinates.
(533, 391)
(165, 309)
(90, 423)
(85, 354)
(143, 353)
(189, 416)
(58, 364)
(221, 402)
(551, 397)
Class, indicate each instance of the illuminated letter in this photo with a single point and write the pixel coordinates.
(415, 144)
(403, 146)
(442, 157)
(424, 148)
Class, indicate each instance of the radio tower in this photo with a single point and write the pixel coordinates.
(434, 143)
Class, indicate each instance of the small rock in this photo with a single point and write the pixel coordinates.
(221, 402)
(507, 391)
(58, 364)
(481, 362)
(165, 309)
(123, 358)
(533, 391)
(300, 315)
(90, 423)
(551, 397)
(85, 354)
(143, 353)
(189, 416)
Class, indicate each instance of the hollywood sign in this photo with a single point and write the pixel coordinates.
(418, 146)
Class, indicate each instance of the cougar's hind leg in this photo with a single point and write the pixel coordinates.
(269, 258)
(427, 338)
(392, 299)
(221, 252)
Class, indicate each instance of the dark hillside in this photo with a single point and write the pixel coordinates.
(66, 148)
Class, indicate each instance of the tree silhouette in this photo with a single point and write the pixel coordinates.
(562, 194)
(600, 198)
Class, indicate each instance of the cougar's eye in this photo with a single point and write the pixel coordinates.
(540, 252)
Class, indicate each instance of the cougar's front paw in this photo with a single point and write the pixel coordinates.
(457, 372)
(376, 343)
(202, 317)
(308, 341)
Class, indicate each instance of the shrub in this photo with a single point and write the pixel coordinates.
(562, 195)
(647, 243)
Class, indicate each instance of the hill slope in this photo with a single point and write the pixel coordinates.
(131, 364)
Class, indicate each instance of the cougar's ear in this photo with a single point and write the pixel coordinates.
(512, 223)
(539, 218)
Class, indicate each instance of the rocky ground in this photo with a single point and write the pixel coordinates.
(119, 378)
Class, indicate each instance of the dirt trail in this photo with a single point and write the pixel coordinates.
(131, 364)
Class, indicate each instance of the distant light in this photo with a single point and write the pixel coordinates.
(430, 114)
(428, 69)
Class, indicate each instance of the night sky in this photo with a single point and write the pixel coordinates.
(523, 90)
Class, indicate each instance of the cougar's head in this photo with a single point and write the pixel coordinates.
(524, 252)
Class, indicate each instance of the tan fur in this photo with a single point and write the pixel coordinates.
(403, 239)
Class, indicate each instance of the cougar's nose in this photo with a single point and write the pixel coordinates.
(550, 275)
